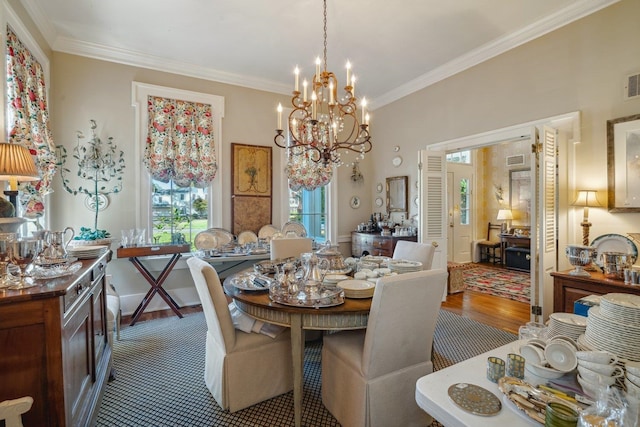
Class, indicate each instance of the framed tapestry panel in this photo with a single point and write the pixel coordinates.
(250, 213)
(251, 170)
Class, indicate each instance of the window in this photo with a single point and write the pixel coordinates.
(465, 202)
(168, 211)
(459, 157)
(309, 208)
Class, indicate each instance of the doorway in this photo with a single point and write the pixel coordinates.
(460, 209)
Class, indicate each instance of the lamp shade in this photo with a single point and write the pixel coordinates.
(16, 163)
(587, 198)
(505, 214)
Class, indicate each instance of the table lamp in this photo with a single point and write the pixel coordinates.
(16, 164)
(587, 199)
(504, 215)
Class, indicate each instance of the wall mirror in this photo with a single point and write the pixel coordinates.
(520, 195)
(397, 194)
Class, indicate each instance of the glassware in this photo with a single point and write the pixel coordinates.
(7, 279)
(22, 253)
(559, 415)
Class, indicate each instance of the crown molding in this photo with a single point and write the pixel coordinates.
(490, 50)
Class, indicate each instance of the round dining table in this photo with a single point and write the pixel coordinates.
(352, 314)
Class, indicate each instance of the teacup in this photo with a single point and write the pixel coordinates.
(561, 355)
(594, 377)
(597, 356)
(590, 389)
(532, 354)
(601, 368)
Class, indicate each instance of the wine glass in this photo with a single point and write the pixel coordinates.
(22, 253)
(7, 279)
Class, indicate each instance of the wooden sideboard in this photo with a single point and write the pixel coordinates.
(375, 244)
(54, 346)
(567, 288)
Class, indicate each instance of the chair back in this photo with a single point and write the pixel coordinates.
(290, 247)
(11, 410)
(493, 232)
(214, 303)
(414, 251)
(402, 321)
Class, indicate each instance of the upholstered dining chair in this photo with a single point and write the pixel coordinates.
(11, 410)
(241, 369)
(369, 376)
(414, 251)
(290, 247)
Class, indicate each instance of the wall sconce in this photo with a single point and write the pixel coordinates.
(356, 175)
(587, 199)
(505, 215)
(16, 165)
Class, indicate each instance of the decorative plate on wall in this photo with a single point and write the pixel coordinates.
(355, 202)
(379, 202)
(379, 187)
(397, 161)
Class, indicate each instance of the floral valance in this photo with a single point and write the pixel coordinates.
(180, 145)
(303, 172)
(28, 120)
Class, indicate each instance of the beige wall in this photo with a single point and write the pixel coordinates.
(580, 67)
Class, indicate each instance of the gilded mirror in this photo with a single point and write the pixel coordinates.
(397, 194)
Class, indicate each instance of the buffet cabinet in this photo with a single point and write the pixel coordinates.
(375, 244)
(567, 288)
(54, 346)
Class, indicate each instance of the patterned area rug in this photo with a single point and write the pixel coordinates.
(500, 282)
(160, 364)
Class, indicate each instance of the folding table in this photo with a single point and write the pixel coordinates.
(135, 253)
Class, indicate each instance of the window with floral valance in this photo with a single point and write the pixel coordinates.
(180, 145)
(28, 120)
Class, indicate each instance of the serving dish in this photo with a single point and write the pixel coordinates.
(61, 270)
(613, 243)
(252, 282)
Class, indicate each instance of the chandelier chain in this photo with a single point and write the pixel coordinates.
(325, 35)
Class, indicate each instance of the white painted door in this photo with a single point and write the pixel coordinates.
(433, 204)
(544, 220)
(459, 212)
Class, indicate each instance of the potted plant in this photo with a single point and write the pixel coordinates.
(100, 163)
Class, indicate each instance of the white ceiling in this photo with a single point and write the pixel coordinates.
(396, 47)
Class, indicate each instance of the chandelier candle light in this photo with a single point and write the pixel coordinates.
(323, 122)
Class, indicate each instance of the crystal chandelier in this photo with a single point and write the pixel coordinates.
(322, 122)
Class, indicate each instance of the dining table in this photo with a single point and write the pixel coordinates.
(352, 314)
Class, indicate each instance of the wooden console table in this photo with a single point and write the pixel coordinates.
(567, 288)
(135, 253)
(55, 347)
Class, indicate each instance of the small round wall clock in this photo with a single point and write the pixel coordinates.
(355, 202)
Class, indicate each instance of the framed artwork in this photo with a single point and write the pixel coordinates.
(250, 213)
(623, 164)
(251, 170)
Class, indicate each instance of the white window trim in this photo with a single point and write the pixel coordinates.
(139, 95)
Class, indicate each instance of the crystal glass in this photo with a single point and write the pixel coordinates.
(22, 253)
(6, 279)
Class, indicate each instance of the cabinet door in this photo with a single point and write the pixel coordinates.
(100, 336)
(78, 360)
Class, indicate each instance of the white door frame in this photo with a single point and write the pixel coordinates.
(568, 126)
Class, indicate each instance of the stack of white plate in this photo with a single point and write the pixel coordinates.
(357, 288)
(87, 251)
(614, 326)
(567, 324)
(404, 266)
(333, 279)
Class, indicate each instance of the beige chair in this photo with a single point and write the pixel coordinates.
(114, 311)
(290, 247)
(241, 369)
(369, 377)
(414, 251)
(11, 410)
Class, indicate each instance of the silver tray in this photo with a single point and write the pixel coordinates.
(54, 262)
(331, 297)
(252, 282)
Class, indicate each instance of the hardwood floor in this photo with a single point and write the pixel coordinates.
(501, 313)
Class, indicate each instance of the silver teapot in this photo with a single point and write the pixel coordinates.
(57, 244)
